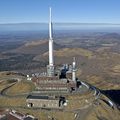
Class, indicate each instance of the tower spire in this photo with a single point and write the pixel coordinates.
(50, 68)
(50, 24)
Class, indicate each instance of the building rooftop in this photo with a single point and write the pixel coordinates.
(41, 97)
(37, 97)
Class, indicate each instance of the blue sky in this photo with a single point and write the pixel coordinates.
(75, 11)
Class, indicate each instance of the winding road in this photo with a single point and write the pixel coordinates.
(3, 92)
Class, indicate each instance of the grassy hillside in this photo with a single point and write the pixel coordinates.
(21, 88)
(71, 52)
(35, 47)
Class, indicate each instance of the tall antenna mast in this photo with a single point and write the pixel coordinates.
(50, 68)
(50, 25)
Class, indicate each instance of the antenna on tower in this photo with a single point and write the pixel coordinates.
(50, 23)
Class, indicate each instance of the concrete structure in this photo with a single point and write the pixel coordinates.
(45, 102)
(53, 85)
(50, 67)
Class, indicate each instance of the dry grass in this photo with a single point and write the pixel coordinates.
(4, 101)
(79, 101)
(4, 84)
(116, 69)
(103, 112)
(78, 72)
(35, 43)
(21, 88)
(7, 75)
(101, 83)
(72, 52)
(45, 114)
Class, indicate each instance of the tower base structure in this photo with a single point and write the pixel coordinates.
(50, 70)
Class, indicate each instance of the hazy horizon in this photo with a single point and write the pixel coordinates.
(59, 26)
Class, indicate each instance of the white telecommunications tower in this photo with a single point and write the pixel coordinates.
(50, 67)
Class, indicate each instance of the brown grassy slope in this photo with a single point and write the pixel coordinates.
(65, 55)
(102, 83)
(103, 65)
(21, 88)
(71, 52)
(103, 111)
(103, 70)
(12, 102)
(35, 47)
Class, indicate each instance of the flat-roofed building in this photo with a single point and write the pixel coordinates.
(45, 101)
(53, 84)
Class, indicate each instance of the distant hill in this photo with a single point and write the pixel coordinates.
(110, 36)
(35, 47)
(71, 52)
(95, 41)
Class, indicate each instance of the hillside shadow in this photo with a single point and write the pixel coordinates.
(114, 95)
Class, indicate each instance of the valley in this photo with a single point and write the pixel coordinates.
(98, 64)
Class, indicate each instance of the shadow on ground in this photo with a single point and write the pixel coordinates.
(114, 95)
